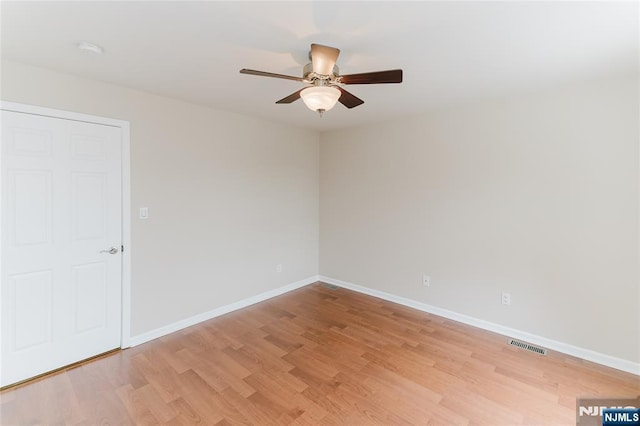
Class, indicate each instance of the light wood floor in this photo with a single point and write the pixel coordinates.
(320, 356)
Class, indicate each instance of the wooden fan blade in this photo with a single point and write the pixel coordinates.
(376, 77)
(349, 100)
(323, 58)
(291, 98)
(269, 74)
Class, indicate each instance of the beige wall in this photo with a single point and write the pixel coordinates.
(229, 196)
(536, 196)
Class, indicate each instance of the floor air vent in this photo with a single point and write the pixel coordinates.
(528, 347)
(329, 286)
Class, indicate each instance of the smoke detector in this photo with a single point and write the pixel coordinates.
(90, 47)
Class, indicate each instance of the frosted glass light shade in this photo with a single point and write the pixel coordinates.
(320, 98)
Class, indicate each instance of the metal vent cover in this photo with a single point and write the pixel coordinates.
(329, 286)
(527, 347)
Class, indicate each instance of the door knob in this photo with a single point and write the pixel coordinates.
(112, 250)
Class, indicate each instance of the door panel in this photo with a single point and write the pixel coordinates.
(90, 286)
(30, 207)
(60, 290)
(87, 147)
(88, 209)
(30, 142)
(31, 309)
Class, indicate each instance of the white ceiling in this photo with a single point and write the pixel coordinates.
(450, 51)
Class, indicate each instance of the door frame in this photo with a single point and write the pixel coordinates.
(125, 331)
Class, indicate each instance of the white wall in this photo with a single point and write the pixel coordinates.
(229, 196)
(536, 196)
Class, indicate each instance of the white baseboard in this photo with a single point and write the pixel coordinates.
(586, 354)
(188, 322)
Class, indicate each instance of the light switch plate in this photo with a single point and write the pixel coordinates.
(144, 212)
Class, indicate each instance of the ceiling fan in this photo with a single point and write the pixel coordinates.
(324, 82)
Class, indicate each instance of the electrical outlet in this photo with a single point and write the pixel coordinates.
(506, 298)
(279, 267)
(426, 279)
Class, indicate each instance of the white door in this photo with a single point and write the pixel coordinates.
(61, 243)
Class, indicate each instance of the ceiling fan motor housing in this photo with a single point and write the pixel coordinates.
(308, 74)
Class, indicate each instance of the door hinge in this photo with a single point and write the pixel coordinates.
(122, 249)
